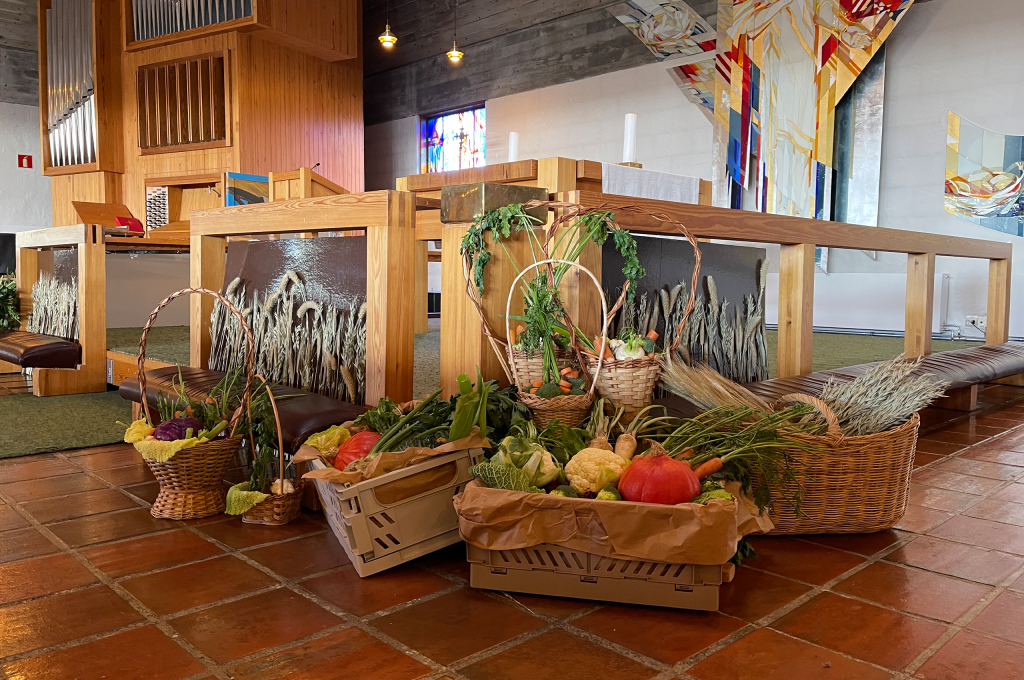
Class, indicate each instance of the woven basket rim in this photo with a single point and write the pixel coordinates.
(611, 364)
(561, 401)
(862, 439)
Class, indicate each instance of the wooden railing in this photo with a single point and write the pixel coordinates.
(580, 182)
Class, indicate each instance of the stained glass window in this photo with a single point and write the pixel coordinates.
(453, 141)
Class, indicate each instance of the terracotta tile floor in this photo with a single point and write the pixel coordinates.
(91, 586)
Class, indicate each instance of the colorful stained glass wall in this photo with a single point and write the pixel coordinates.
(985, 176)
(782, 66)
(453, 141)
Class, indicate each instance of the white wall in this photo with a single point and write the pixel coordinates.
(584, 120)
(24, 193)
(136, 285)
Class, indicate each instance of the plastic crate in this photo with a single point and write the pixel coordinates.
(378, 531)
(553, 570)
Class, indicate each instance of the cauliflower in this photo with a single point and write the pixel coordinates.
(591, 470)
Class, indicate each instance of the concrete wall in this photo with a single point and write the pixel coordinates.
(24, 192)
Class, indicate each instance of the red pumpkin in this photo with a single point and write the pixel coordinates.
(656, 477)
(355, 447)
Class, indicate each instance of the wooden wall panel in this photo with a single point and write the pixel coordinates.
(327, 29)
(299, 111)
(175, 164)
(93, 187)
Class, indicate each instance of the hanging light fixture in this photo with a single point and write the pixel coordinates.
(455, 56)
(387, 38)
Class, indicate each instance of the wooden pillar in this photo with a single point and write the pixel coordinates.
(917, 336)
(91, 374)
(998, 330)
(420, 272)
(26, 274)
(421, 281)
(463, 343)
(580, 297)
(389, 305)
(206, 254)
(796, 309)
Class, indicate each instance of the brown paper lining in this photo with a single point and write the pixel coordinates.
(414, 485)
(689, 533)
(389, 461)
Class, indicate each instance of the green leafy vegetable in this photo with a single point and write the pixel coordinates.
(10, 319)
(381, 417)
(503, 476)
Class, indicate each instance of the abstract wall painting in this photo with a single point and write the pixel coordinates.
(985, 176)
(697, 81)
(668, 28)
(782, 66)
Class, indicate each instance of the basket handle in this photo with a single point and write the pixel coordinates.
(604, 313)
(280, 437)
(835, 433)
(250, 361)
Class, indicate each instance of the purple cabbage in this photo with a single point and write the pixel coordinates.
(173, 430)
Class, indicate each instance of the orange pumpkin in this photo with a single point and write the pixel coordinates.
(656, 477)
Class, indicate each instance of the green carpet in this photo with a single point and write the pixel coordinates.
(165, 343)
(832, 350)
(43, 424)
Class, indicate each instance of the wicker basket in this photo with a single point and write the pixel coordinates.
(192, 482)
(569, 409)
(530, 367)
(629, 383)
(861, 485)
(277, 509)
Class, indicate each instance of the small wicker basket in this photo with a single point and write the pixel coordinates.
(629, 383)
(192, 482)
(569, 409)
(530, 367)
(277, 509)
(861, 485)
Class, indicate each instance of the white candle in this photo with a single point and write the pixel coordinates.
(629, 140)
(513, 147)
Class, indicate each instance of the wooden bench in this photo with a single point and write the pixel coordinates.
(963, 369)
(35, 350)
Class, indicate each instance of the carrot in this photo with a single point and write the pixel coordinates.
(538, 383)
(565, 371)
(587, 350)
(608, 354)
(574, 374)
(533, 390)
(565, 390)
(625, 445)
(519, 330)
(686, 453)
(708, 468)
(653, 335)
(565, 383)
(650, 355)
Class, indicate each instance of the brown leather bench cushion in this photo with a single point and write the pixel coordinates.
(33, 350)
(300, 416)
(959, 367)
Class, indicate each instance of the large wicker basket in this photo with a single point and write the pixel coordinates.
(192, 482)
(860, 485)
(629, 383)
(277, 509)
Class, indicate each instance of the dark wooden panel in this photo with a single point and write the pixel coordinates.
(573, 47)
